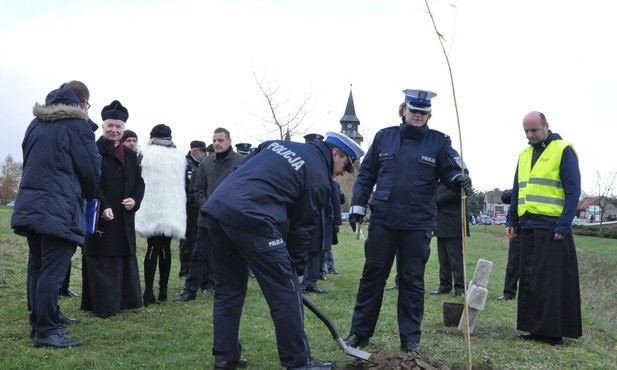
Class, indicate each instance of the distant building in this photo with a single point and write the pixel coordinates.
(349, 127)
(590, 209)
(493, 204)
(350, 122)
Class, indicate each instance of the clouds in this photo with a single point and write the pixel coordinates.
(190, 65)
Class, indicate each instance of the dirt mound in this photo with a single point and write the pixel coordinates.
(404, 361)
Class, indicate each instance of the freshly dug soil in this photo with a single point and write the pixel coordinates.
(403, 361)
(407, 361)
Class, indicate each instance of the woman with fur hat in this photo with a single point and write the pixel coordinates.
(162, 216)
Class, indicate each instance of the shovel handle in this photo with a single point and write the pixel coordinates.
(322, 316)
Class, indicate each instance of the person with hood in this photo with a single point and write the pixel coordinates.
(162, 215)
(60, 172)
(110, 273)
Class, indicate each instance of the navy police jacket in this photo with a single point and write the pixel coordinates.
(280, 188)
(404, 165)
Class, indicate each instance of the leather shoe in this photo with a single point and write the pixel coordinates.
(355, 341)
(184, 297)
(315, 290)
(410, 347)
(67, 320)
(440, 291)
(224, 365)
(56, 341)
(459, 294)
(313, 365)
(62, 331)
(505, 298)
(67, 293)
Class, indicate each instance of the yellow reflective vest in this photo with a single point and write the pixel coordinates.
(539, 188)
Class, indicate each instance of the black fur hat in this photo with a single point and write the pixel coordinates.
(160, 131)
(115, 110)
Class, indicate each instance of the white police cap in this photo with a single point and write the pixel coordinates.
(350, 147)
(419, 99)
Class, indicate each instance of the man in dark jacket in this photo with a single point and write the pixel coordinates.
(449, 233)
(264, 215)
(210, 173)
(193, 158)
(60, 172)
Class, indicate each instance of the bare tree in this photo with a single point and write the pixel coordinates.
(10, 175)
(283, 118)
(605, 185)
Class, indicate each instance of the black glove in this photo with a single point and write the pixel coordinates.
(465, 182)
(355, 218)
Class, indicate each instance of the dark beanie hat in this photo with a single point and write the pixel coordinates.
(160, 131)
(210, 148)
(506, 196)
(115, 110)
(128, 134)
(198, 144)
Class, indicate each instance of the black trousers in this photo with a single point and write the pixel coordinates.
(187, 245)
(450, 253)
(313, 269)
(49, 259)
(513, 267)
(235, 249)
(159, 251)
(201, 269)
(382, 244)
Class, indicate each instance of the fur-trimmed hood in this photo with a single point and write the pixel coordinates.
(60, 104)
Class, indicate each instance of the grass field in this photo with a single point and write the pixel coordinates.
(179, 336)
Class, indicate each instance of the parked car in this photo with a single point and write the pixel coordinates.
(11, 203)
(578, 221)
(485, 220)
(499, 220)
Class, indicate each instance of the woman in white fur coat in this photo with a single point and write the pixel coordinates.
(162, 216)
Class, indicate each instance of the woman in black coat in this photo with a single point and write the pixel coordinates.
(110, 270)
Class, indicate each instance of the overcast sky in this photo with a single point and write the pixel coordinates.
(190, 64)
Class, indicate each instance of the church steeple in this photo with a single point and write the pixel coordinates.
(349, 122)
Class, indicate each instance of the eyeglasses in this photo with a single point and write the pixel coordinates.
(420, 112)
(87, 104)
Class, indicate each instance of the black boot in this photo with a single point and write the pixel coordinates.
(149, 298)
(150, 261)
(164, 267)
(162, 294)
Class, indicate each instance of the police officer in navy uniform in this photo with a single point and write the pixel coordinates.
(404, 165)
(320, 243)
(264, 215)
(243, 148)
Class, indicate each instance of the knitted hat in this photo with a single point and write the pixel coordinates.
(128, 134)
